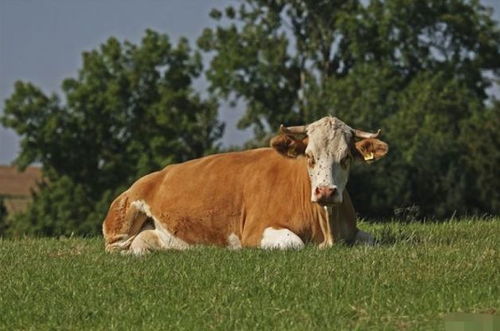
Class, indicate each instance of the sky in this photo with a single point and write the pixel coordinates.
(41, 41)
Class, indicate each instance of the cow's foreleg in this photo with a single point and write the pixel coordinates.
(280, 239)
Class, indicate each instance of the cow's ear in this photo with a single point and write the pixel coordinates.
(289, 146)
(371, 149)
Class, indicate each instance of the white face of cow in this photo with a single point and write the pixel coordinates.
(329, 158)
(330, 146)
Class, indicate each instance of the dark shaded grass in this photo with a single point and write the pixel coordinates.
(418, 274)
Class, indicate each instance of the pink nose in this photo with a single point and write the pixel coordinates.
(324, 193)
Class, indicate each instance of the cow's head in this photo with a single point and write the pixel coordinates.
(329, 146)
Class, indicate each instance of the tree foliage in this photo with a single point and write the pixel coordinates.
(415, 68)
(130, 110)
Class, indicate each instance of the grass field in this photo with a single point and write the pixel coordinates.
(416, 276)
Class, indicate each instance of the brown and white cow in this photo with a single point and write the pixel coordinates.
(278, 197)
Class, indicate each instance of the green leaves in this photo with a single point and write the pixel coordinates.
(479, 140)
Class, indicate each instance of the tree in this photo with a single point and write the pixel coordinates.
(415, 68)
(275, 55)
(481, 138)
(427, 167)
(131, 110)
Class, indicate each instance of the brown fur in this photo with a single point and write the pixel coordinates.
(203, 201)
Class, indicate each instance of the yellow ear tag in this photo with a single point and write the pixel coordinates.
(369, 157)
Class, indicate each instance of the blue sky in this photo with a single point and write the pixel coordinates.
(41, 41)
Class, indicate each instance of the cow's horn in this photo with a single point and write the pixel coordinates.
(363, 134)
(301, 129)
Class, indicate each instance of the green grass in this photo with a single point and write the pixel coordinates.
(417, 275)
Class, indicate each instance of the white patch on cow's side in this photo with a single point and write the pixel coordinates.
(168, 240)
(365, 238)
(233, 242)
(280, 239)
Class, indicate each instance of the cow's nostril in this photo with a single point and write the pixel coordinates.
(324, 192)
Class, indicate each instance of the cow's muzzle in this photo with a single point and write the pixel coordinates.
(326, 195)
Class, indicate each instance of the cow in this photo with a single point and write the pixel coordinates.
(279, 197)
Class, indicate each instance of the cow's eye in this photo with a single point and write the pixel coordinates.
(310, 160)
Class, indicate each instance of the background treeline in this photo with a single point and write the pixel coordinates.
(419, 70)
